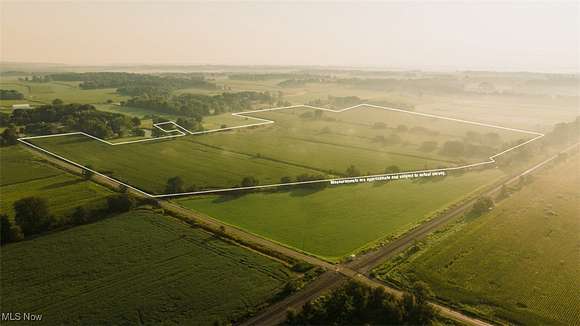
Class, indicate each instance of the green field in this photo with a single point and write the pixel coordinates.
(518, 263)
(292, 146)
(136, 268)
(69, 92)
(23, 175)
(339, 220)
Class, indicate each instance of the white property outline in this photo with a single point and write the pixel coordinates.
(183, 132)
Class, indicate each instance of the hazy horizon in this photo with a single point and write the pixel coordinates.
(423, 36)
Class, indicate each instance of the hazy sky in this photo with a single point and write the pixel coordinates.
(394, 35)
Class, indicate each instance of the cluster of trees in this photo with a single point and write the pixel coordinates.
(359, 304)
(337, 101)
(32, 216)
(271, 76)
(36, 79)
(10, 94)
(134, 84)
(564, 133)
(301, 81)
(482, 205)
(197, 105)
(56, 117)
(9, 136)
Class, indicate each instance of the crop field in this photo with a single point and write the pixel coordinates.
(299, 142)
(517, 263)
(136, 268)
(23, 175)
(340, 220)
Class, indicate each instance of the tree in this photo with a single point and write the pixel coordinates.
(10, 136)
(392, 169)
(174, 185)
(503, 193)
(32, 215)
(422, 292)
(57, 101)
(482, 205)
(249, 182)
(80, 215)
(135, 121)
(285, 180)
(352, 171)
(120, 203)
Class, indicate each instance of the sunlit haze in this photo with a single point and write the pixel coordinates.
(417, 35)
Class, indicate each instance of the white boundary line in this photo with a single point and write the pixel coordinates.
(183, 132)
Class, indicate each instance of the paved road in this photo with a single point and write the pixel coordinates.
(336, 274)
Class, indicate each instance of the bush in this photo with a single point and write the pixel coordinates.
(80, 216)
(352, 171)
(482, 205)
(249, 182)
(120, 203)
(174, 185)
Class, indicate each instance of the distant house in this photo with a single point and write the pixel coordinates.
(21, 106)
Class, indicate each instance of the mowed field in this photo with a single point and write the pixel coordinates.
(136, 268)
(517, 263)
(340, 220)
(297, 143)
(23, 175)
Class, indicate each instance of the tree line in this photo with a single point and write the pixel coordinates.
(134, 84)
(32, 216)
(59, 117)
(197, 105)
(10, 94)
(357, 304)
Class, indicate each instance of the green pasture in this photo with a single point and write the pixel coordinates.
(136, 268)
(518, 263)
(292, 146)
(22, 175)
(340, 220)
(149, 165)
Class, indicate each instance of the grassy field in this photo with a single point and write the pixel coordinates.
(292, 146)
(69, 92)
(339, 220)
(23, 175)
(136, 268)
(518, 263)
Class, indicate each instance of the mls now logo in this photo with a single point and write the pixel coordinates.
(17, 316)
